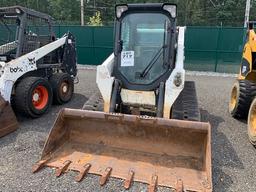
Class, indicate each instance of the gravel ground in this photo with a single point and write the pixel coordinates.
(233, 156)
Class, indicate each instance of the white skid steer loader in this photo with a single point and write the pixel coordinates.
(150, 130)
(36, 69)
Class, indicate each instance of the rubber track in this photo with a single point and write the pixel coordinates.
(94, 103)
(186, 105)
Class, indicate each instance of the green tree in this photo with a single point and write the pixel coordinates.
(95, 20)
(65, 10)
(196, 12)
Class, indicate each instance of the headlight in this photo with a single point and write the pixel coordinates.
(3, 59)
(120, 9)
(177, 80)
(18, 11)
(172, 9)
(2, 64)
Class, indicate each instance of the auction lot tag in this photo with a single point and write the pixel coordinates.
(127, 58)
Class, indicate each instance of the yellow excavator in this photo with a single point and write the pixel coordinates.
(149, 130)
(242, 103)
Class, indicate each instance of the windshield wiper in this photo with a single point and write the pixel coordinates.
(152, 62)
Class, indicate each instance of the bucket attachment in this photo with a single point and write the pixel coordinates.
(8, 121)
(155, 151)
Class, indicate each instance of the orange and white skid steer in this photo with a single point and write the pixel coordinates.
(36, 69)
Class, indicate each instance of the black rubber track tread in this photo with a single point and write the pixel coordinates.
(94, 103)
(54, 81)
(21, 101)
(186, 106)
(247, 91)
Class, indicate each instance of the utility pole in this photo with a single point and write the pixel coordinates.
(213, 3)
(82, 12)
(186, 11)
(247, 12)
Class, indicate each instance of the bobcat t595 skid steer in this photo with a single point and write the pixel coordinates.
(36, 69)
(149, 130)
(242, 101)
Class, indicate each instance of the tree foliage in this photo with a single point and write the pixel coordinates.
(196, 12)
(95, 20)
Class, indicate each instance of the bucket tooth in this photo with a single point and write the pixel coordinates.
(128, 181)
(105, 176)
(157, 152)
(206, 183)
(83, 172)
(153, 184)
(39, 165)
(62, 169)
(179, 186)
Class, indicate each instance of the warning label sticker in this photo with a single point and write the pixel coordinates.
(127, 58)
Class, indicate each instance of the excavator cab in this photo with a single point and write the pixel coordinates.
(137, 137)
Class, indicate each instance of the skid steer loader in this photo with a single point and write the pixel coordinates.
(36, 69)
(242, 102)
(150, 130)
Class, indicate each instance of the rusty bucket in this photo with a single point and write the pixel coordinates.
(154, 151)
(8, 121)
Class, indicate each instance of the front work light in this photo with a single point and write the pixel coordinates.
(120, 9)
(172, 9)
(18, 11)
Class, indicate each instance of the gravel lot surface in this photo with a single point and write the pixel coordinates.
(233, 156)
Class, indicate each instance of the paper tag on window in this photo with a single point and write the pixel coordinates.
(127, 58)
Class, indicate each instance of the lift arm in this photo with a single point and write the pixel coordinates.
(13, 70)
